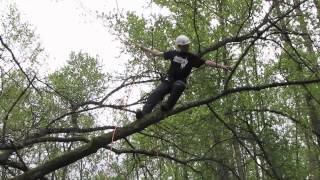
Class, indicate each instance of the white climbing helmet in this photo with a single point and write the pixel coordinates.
(182, 40)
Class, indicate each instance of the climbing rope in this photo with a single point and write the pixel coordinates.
(110, 148)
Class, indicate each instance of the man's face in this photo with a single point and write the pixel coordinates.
(183, 48)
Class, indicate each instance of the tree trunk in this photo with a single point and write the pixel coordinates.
(314, 117)
(221, 152)
(239, 160)
(256, 167)
(313, 164)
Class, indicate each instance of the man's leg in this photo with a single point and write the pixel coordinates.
(154, 98)
(176, 91)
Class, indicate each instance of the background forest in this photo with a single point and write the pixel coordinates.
(259, 121)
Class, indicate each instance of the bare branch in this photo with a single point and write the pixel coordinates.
(16, 61)
(158, 154)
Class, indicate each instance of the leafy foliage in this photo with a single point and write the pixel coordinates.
(259, 121)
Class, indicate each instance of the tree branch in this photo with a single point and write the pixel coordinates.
(16, 61)
(167, 156)
(103, 140)
(30, 142)
(251, 33)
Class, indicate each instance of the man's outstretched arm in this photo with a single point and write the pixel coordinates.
(216, 65)
(153, 52)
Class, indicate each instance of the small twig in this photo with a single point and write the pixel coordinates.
(17, 62)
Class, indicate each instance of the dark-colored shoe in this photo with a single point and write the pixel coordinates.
(139, 114)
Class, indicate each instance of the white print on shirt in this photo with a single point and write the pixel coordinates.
(182, 61)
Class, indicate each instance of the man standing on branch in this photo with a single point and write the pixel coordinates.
(182, 62)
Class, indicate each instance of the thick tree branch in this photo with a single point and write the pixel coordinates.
(47, 131)
(30, 142)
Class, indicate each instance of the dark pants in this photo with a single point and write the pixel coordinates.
(174, 87)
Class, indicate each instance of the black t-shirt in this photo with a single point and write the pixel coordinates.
(182, 64)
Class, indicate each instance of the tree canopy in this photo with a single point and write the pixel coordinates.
(259, 121)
